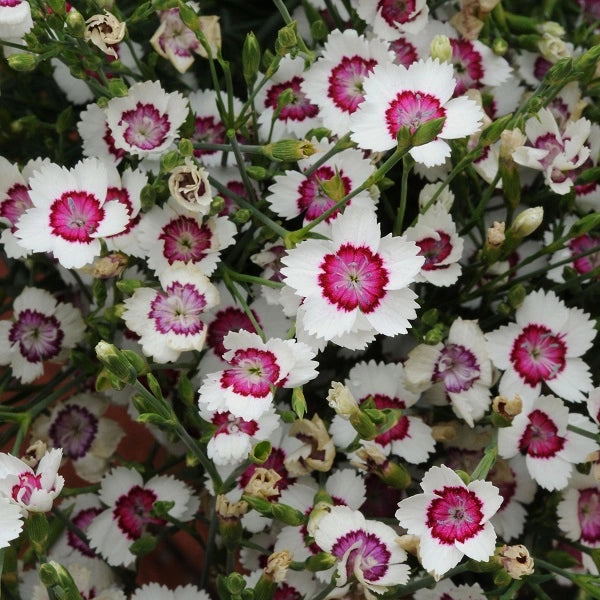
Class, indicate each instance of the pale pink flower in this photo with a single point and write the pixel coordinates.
(452, 519)
(579, 510)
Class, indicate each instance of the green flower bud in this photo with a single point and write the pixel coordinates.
(23, 62)
(527, 222)
(241, 216)
(257, 173)
(143, 545)
(260, 452)
(116, 362)
(48, 574)
(36, 528)
(395, 475)
(500, 46)
(235, 583)
(320, 562)
(289, 150)
(105, 380)
(259, 504)
(118, 88)
(298, 402)
(128, 286)
(288, 515)
(217, 205)
(363, 425)
(169, 161)
(138, 362)
(516, 295)
(250, 58)
(76, 23)
(287, 36)
(440, 48)
(188, 16)
(186, 147)
(319, 30)
(428, 131)
(435, 335)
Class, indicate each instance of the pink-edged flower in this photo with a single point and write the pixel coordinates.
(447, 590)
(40, 329)
(388, 18)
(32, 491)
(14, 201)
(459, 369)
(452, 519)
(552, 151)
(155, 591)
(11, 522)
(208, 126)
(593, 405)
(346, 488)
(587, 195)
(15, 19)
(544, 345)
(146, 121)
(172, 236)
(233, 437)
(357, 281)
(551, 450)
(171, 321)
(256, 368)
(96, 136)
(295, 193)
(579, 510)
(384, 383)
(296, 118)
(70, 212)
(175, 41)
(366, 550)
(86, 436)
(398, 97)
(335, 82)
(439, 243)
(128, 515)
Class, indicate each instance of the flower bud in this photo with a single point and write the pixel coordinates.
(263, 483)
(340, 398)
(186, 147)
(289, 150)
(34, 453)
(189, 186)
(250, 58)
(500, 46)
(241, 216)
(508, 408)
(287, 36)
(111, 265)
(210, 27)
(104, 31)
(510, 140)
(515, 560)
(114, 360)
(320, 562)
(363, 425)
(36, 528)
(440, 48)
(75, 23)
(319, 510)
(527, 222)
(288, 515)
(551, 27)
(495, 235)
(23, 62)
(217, 205)
(552, 48)
(317, 451)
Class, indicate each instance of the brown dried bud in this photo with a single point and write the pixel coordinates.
(495, 234)
(507, 408)
(263, 483)
(228, 510)
(277, 566)
(317, 450)
(444, 432)
(515, 560)
(34, 453)
(111, 265)
(104, 31)
(189, 186)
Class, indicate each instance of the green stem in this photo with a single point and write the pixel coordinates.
(407, 164)
(251, 278)
(248, 149)
(210, 544)
(326, 591)
(339, 146)
(285, 13)
(427, 581)
(235, 292)
(239, 159)
(540, 594)
(584, 432)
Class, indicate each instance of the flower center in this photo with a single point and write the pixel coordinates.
(10, 3)
(455, 516)
(468, 68)
(178, 309)
(208, 130)
(28, 483)
(229, 319)
(346, 82)
(552, 144)
(74, 429)
(540, 67)
(457, 368)
(132, 512)
(412, 109)
(147, 128)
(17, 201)
(435, 251)
(363, 552)
(75, 216)
(253, 372)
(82, 521)
(299, 108)
(185, 240)
(313, 199)
(353, 277)
(396, 11)
(581, 244)
(538, 355)
(39, 336)
(227, 424)
(540, 438)
(588, 511)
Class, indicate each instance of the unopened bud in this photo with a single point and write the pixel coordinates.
(340, 398)
(320, 562)
(189, 186)
(22, 62)
(250, 58)
(510, 140)
(551, 27)
(440, 48)
(111, 265)
(114, 360)
(363, 425)
(500, 46)
(508, 408)
(75, 23)
(495, 235)
(552, 48)
(289, 150)
(287, 36)
(241, 216)
(527, 222)
(515, 560)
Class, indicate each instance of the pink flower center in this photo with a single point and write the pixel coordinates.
(82, 520)
(396, 12)
(147, 128)
(406, 53)
(398, 431)
(10, 3)
(363, 551)
(17, 201)
(252, 373)
(455, 516)
(208, 130)
(581, 244)
(588, 511)
(178, 309)
(346, 82)
(412, 109)
(185, 240)
(39, 336)
(457, 368)
(540, 438)
(353, 277)
(74, 429)
(227, 424)
(435, 251)
(299, 108)
(226, 320)
(75, 216)
(313, 199)
(179, 38)
(28, 483)
(538, 354)
(132, 512)
(552, 144)
(468, 68)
